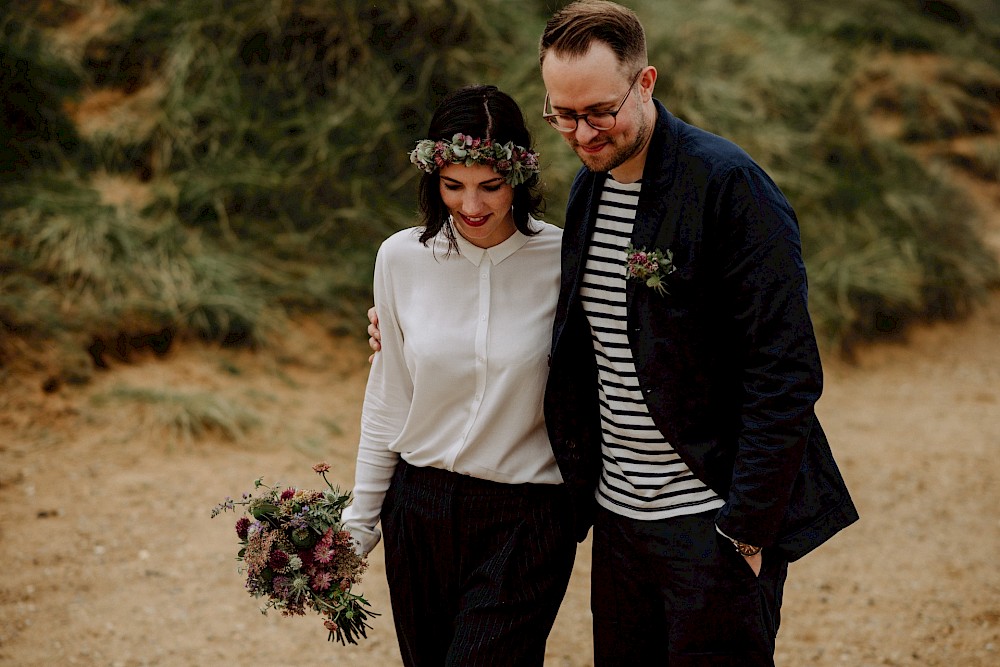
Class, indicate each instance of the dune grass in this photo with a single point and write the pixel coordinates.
(268, 140)
(101, 270)
(888, 239)
(184, 416)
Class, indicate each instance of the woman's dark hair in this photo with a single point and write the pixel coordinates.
(483, 112)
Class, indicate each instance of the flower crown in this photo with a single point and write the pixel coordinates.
(515, 163)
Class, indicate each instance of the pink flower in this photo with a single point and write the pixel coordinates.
(321, 467)
(322, 552)
(287, 493)
(321, 581)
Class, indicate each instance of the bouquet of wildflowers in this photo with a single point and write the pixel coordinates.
(298, 557)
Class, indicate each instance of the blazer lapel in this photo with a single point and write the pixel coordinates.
(581, 216)
(583, 229)
(656, 220)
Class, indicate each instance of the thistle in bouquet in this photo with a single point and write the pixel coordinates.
(298, 556)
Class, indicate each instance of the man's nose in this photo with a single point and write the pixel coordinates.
(584, 133)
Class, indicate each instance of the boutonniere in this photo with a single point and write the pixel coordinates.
(651, 267)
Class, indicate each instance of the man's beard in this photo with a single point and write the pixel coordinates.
(618, 155)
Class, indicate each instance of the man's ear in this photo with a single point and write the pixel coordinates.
(647, 82)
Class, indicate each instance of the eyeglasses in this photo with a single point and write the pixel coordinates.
(599, 120)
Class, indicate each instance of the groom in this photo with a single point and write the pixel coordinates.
(681, 394)
(684, 368)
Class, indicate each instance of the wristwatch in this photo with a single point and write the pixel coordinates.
(745, 549)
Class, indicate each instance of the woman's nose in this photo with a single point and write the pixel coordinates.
(471, 203)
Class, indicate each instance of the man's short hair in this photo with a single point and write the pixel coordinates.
(573, 30)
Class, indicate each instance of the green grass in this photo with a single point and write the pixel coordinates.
(985, 162)
(887, 239)
(271, 148)
(34, 84)
(97, 270)
(185, 416)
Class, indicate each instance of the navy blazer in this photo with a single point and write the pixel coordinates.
(727, 358)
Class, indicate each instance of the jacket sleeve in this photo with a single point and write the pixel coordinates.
(388, 397)
(763, 299)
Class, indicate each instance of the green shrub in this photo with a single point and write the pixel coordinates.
(185, 416)
(268, 141)
(102, 270)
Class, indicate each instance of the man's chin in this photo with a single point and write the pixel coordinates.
(594, 163)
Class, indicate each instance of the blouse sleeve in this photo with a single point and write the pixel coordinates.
(388, 397)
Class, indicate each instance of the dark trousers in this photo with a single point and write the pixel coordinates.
(675, 592)
(476, 569)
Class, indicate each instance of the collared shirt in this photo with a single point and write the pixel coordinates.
(459, 382)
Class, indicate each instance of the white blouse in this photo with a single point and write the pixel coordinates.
(458, 384)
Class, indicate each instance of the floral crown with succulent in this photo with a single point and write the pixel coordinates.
(516, 164)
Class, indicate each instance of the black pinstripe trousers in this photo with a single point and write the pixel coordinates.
(476, 569)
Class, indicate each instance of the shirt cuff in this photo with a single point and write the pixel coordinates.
(364, 539)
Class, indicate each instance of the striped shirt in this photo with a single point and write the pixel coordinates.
(642, 476)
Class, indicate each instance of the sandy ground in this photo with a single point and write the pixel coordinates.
(110, 557)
